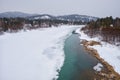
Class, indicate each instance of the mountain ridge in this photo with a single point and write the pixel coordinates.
(70, 17)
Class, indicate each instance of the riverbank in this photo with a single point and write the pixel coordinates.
(108, 72)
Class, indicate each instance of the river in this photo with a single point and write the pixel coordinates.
(78, 64)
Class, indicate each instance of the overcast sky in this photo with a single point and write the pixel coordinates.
(98, 8)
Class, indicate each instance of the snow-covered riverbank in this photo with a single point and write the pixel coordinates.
(33, 55)
(110, 53)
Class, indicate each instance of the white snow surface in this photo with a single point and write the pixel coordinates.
(110, 53)
(33, 55)
(42, 17)
(98, 67)
(45, 17)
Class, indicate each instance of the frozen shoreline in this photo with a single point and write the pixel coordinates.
(33, 55)
(110, 53)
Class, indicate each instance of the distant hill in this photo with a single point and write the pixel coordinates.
(76, 17)
(42, 16)
(14, 14)
(73, 17)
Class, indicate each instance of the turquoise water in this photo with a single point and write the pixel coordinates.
(78, 64)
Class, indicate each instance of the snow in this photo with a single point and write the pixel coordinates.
(27, 25)
(36, 17)
(84, 36)
(45, 17)
(33, 55)
(98, 67)
(42, 17)
(110, 53)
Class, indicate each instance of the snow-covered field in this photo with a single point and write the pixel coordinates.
(33, 55)
(108, 52)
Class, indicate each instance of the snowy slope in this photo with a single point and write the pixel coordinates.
(108, 52)
(33, 55)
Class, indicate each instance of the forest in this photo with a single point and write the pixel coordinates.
(107, 29)
(17, 24)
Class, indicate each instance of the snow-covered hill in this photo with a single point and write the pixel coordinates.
(43, 16)
(73, 17)
(76, 17)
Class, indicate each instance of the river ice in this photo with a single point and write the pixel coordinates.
(33, 55)
(98, 67)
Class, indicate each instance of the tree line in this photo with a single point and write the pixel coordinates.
(108, 29)
(16, 24)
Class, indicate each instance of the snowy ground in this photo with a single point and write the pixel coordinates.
(108, 52)
(33, 55)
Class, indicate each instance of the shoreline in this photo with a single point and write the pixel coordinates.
(108, 71)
